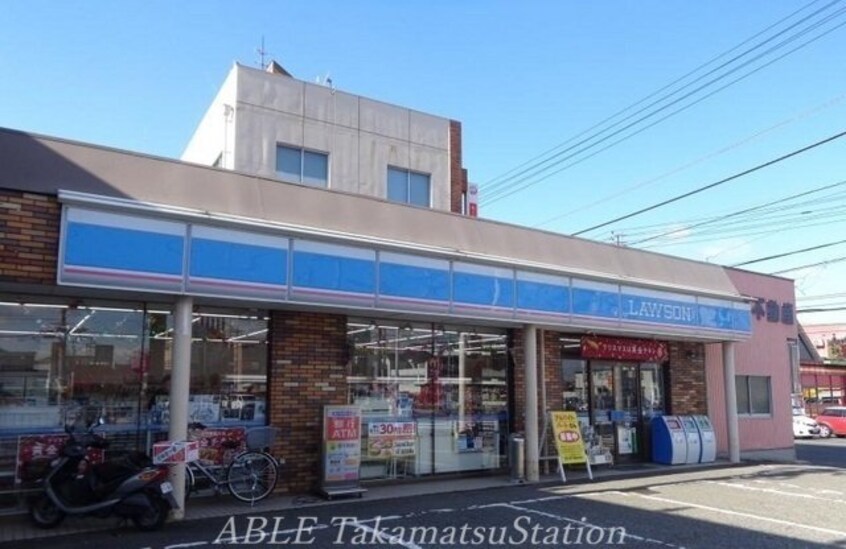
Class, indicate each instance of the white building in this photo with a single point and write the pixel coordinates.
(270, 124)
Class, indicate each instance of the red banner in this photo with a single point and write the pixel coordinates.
(619, 348)
(34, 447)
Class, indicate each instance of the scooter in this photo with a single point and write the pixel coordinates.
(130, 487)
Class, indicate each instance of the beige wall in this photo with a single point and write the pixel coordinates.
(362, 136)
(215, 134)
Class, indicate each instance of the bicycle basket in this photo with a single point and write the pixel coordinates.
(261, 438)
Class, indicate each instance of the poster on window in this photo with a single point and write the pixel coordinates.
(391, 439)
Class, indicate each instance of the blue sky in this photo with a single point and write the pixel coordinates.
(522, 77)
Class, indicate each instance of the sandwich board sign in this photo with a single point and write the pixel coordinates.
(569, 444)
(341, 460)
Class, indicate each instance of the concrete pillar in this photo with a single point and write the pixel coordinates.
(530, 361)
(180, 380)
(731, 402)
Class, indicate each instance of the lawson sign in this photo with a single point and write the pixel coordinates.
(116, 250)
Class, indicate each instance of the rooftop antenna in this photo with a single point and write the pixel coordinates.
(262, 52)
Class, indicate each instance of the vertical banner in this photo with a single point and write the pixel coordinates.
(341, 450)
(569, 444)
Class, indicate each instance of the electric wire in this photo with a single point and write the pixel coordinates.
(715, 184)
(789, 254)
(497, 192)
(679, 110)
(493, 183)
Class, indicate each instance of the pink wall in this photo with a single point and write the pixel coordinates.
(765, 353)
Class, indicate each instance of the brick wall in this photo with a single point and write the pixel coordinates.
(687, 387)
(308, 356)
(554, 384)
(29, 237)
(457, 174)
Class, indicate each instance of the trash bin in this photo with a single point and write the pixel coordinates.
(517, 457)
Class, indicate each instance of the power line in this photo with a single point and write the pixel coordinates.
(715, 184)
(740, 212)
(499, 190)
(810, 265)
(641, 130)
(788, 254)
(678, 169)
(497, 181)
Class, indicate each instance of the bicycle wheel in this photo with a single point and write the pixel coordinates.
(252, 476)
(190, 481)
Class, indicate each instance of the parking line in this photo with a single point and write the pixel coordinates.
(562, 518)
(740, 514)
(772, 491)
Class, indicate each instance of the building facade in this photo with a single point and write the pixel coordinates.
(270, 124)
(158, 292)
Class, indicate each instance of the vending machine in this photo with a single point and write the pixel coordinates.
(669, 442)
(691, 435)
(709, 440)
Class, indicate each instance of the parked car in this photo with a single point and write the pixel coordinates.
(803, 426)
(832, 421)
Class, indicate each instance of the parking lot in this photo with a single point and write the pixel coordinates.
(750, 506)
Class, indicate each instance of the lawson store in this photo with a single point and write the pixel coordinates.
(160, 292)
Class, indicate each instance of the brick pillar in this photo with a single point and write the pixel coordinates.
(457, 174)
(29, 237)
(551, 350)
(686, 379)
(308, 358)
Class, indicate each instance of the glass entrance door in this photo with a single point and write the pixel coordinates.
(615, 408)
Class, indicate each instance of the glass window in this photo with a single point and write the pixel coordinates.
(753, 395)
(418, 189)
(573, 372)
(652, 390)
(301, 166)
(442, 392)
(397, 185)
(315, 168)
(409, 187)
(228, 369)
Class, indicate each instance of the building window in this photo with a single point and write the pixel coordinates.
(434, 399)
(302, 166)
(753, 395)
(408, 187)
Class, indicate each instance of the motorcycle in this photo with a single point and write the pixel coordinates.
(129, 487)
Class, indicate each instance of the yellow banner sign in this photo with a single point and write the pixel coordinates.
(568, 437)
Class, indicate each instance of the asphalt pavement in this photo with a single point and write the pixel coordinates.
(749, 506)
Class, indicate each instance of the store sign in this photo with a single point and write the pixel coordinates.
(568, 438)
(773, 311)
(473, 200)
(392, 439)
(618, 348)
(341, 444)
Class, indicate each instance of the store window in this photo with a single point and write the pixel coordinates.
(408, 187)
(753, 395)
(433, 399)
(228, 369)
(299, 165)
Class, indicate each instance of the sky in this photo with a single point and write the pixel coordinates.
(574, 114)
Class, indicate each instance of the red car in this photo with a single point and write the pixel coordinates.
(832, 421)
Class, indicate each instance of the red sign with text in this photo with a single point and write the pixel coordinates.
(619, 348)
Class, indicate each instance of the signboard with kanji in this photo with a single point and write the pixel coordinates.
(341, 450)
(391, 439)
(568, 438)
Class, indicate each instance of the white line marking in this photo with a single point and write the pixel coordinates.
(384, 538)
(772, 491)
(188, 544)
(583, 523)
(741, 514)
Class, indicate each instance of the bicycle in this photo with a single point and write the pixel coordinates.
(250, 476)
